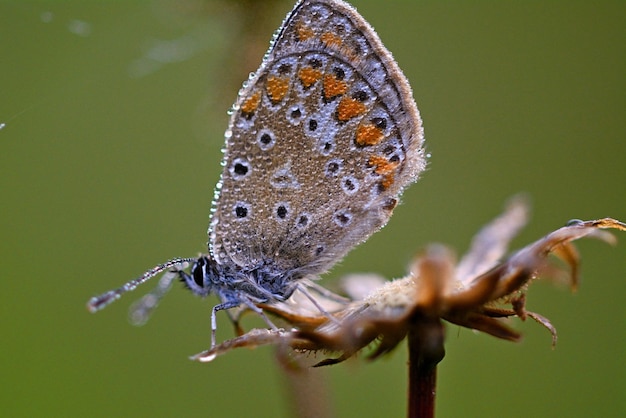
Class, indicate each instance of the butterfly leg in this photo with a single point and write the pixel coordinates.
(321, 290)
(260, 312)
(233, 303)
(220, 307)
(310, 297)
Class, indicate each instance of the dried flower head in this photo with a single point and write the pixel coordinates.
(478, 292)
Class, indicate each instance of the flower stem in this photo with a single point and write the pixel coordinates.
(426, 350)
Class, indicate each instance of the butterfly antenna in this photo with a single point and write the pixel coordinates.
(99, 302)
(140, 311)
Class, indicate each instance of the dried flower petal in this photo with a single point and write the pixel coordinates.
(491, 242)
(477, 293)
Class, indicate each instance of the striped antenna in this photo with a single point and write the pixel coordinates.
(99, 302)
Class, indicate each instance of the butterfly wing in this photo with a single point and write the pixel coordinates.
(321, 142)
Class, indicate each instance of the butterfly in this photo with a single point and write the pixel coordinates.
(322, 140)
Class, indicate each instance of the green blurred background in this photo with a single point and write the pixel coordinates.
(115, 113)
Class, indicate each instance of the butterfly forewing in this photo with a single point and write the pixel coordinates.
(321, 142)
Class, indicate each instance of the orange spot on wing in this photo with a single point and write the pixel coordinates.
(384, 167)
(333, 87)
(349, 108)
(252, 103)
(277, 88)
(369, 134)
(304, 32)
(388, 180)
(331, 40)
(381, 164)
(308, 76)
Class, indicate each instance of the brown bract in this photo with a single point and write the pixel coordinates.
(479, 292)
